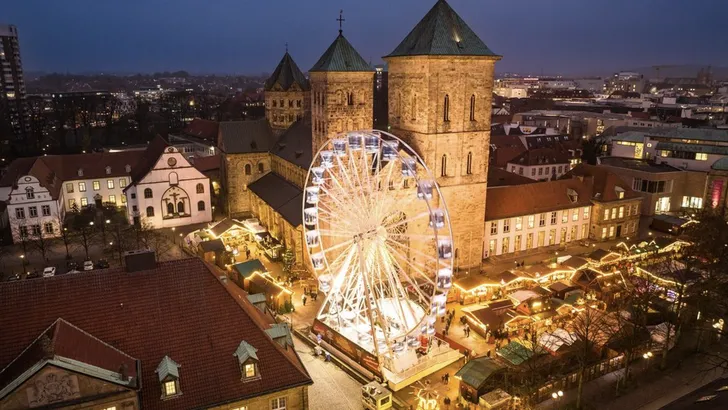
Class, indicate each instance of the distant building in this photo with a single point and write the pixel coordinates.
(287, 94)
(12, 92)
(625, 81)
(167, 335)
(540, 164)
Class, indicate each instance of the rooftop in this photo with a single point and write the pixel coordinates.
(442, 32)
(286, 75)
(637, 165)
(500, 177)
(200, 326)
(607, 184)
(281, 195)
(242, 137)
(341, 56)
(520, 200)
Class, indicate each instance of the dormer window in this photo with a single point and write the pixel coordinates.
(108, 170)
(620, 192)
(29, 193)
(248, 361)
(168, 373)
(127, 168)
(573, 196)
(80, 172)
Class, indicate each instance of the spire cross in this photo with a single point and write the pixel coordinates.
(341, 20)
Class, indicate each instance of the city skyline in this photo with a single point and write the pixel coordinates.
(57, 38)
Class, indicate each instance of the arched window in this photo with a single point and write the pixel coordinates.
(472, 107)
(150, 211)
(398, 105)
(173, 178)
(29, 193)
(200, 189)
(414, 106)
(261, 167)
(148, 194)
(201, 206)
(446, 109)
(180, 207)
(350, 98)
(469, 163)
(248, 169)
(170, 208)
(443, 166)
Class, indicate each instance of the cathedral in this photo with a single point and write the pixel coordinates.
(440, 89)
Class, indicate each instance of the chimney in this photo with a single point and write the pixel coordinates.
(142, 259)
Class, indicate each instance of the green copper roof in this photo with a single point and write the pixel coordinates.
(286, 74)
(721, 164)
(245, 351)
(167, 367)
(341, 56)
(442, 33)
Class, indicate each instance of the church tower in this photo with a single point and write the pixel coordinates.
(342, 92)
(287, 95)
(440, 92)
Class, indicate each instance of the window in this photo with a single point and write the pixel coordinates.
(531, 219)
(173, 178)
(248, 169)
(505, 246)
(491, 246)
(80, 172)
(520, 170)
(35, 230)
(553, 218)
(71, 203)
(48, 228)
(446, 109)
(506, 225)
(261, 167)
(109, 408)
(606, 214)
(635, 209)
(282, 103)
(84, 201)
(350, 98)
(110, 184)
(148, 193)
(692, 202)
(611, 231)
(112, 199)
(564, 217)
(586, 213)
(81, 187)
(122, 182)
(150, 211)
(584, 230)
(97, 185)
(621, 212)
(69, 187)
(133, 195)
(542, 220)
(469, 164)
(540, 171)
(29, 193)
(298, 103)
(519, 223)
(278, 404)
(170, 388)
(108, 170)
(614, 213)
(134, 208)
(249, 370)
(123, 198)
(494, 228)
(33, 211)
(45, 210)
(443, 166)
(552, 237)
(472, 107)
(201, 205)
(701, 156)
(529, 241)
(19, 213)
(23, 231)
(200, 189)
(604, 233)
(533, 172)
(275, 103)
(517, 243)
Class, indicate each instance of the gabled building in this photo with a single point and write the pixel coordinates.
(540, 164)
(167, 335)
(287, 94)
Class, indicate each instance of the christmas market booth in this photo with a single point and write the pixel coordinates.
(478, 377)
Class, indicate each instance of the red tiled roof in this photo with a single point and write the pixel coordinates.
(501, 177)
(148, 159)
(180, 310)
(640, 115)
(204, 129)
(519, 200)
(53, 170)
(505, 148)
(605, 182)
(541, 156)
(66, 340)
(208, 163)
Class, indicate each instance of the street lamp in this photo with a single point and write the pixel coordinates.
(91, 223)
(557, 396)
(647, 355)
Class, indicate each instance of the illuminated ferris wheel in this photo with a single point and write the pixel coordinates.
(379, 239)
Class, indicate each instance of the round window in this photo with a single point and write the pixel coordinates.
(172, 161)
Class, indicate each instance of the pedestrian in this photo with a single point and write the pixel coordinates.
(303, 299)
(327, 356)
(488, 352)
(446, 401)
(447, 378)
(247, 253)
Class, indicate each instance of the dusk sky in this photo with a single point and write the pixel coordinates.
(248, 37)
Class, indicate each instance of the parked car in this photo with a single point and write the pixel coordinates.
(102, 264)
(71, 265)
(88, 265)
(13, 278)
(49, 271)
(33, 275)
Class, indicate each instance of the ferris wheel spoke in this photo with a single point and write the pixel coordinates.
(396, 289)
(343, 206)
(414, 250)
(407, 221)
(409, 263)
(415, 285)
(347, 180)
(337, 233)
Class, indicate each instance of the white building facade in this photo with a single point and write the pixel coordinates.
(32, 212)
(532, 231)
(170, 193)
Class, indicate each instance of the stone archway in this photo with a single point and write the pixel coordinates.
(176, 203)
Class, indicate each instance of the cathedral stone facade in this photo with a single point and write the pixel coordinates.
(440, 90)
(287, 95)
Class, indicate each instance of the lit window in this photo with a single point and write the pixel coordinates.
(564, 217)
(110, 184)
(611, 231)
(519, 223)
(81, 187)
(170, 388)
(109, 408)
(69, 187)
(97, 185)
(71, 203)
(701, 156)
(112, 199)
(614, 213)
(604, 233)
(575, 215)
(84, 201)
(621, 212)
(278, 404)
(250, 370)
(531, 219)
(122, 183)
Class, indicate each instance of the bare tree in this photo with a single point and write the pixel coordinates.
(41, 243)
